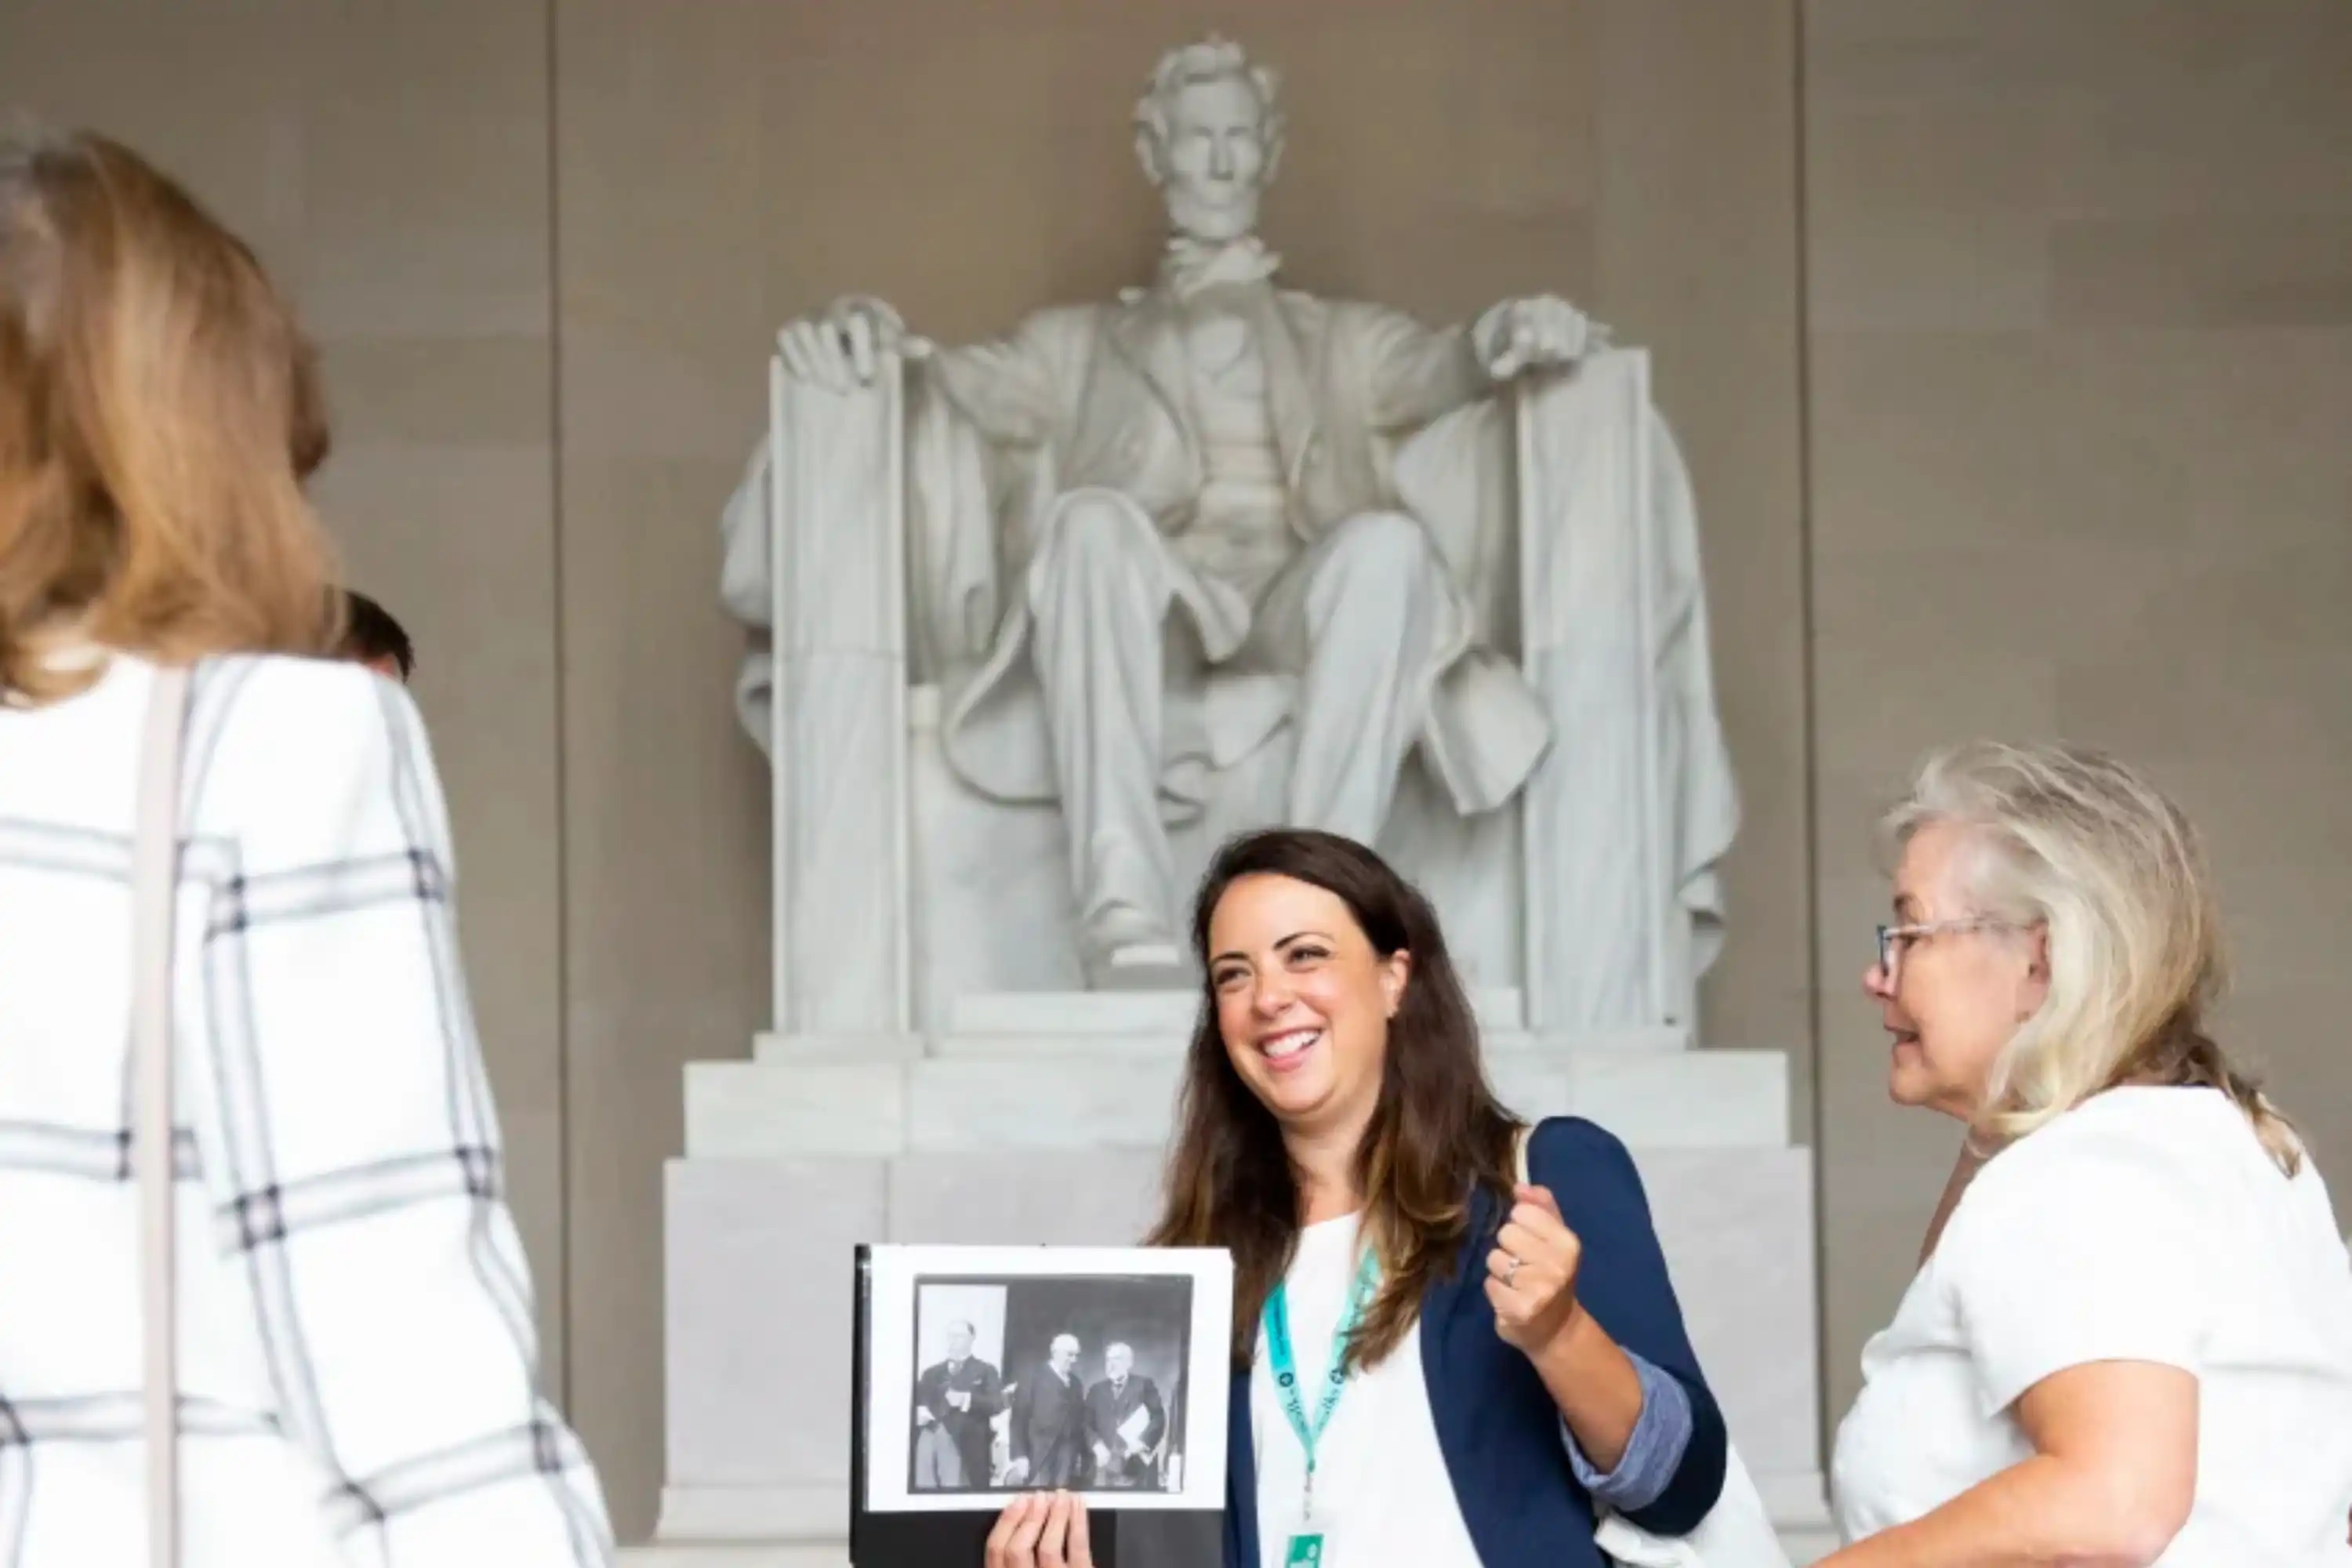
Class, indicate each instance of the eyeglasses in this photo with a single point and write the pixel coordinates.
(1893, 939)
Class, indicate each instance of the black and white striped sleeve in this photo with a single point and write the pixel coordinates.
(350, 1150)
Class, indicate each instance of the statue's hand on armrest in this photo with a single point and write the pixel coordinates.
(1538, 333)
(842, 347)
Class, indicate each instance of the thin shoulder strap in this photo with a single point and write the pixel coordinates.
(1519, 1140)
(154, 879)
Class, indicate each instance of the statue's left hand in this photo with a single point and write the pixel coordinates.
(1539, 333)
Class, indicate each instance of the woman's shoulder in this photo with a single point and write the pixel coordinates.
(2155, 1133)
(1575, 1137)
(1584, 1165)
(272, 738)
(336, 703)
(281, 713)
(2105, 1165)
(286, 687)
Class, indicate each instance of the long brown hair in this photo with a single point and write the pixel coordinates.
(1437, 1134)
(159, 409)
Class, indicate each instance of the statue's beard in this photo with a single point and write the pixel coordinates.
(1213, 222)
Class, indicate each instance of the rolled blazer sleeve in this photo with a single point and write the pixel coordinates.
(1622, 1282)
(349, 1143)
(1654, 1451)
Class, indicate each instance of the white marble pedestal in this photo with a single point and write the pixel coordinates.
(1043, 1117)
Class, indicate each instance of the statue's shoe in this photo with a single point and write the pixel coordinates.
(1127, 950)
(1141, 966)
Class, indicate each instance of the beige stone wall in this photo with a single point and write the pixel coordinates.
(2080, 306)
(390, 164)
(2048, 303)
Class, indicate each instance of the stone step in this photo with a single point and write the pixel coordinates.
(833, 1553)
(1166, 1042)
(695, 1521)
(781, 1106)
(1803, 1543)
(758, 1259)
(1046, 1012)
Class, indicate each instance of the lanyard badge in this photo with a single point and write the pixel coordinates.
(1306, 1547)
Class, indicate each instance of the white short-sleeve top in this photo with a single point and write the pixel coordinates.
(1382, 1494)
(2147, 1224)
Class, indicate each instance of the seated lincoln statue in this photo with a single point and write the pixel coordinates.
(1191, 536)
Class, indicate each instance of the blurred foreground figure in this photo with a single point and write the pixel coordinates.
(355, 1377)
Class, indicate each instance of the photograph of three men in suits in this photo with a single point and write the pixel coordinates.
(1051, 1427)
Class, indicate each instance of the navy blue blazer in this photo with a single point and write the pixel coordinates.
(1496, 1424)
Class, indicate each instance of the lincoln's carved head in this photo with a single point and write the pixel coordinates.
(1209, 132)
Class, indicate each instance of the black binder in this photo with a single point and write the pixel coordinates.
(1136, 1538)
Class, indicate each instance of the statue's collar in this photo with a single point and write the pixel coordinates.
(1189, 266)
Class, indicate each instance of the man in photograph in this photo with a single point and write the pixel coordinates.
(1049, 1423)
(954, 1402)
(1124, 1421)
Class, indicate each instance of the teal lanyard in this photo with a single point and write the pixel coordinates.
(1276, 1319)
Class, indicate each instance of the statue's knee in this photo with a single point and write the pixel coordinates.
(1095, 526)
(1097, 546)
(1388, 543)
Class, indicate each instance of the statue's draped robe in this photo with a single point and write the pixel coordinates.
(1371, 411)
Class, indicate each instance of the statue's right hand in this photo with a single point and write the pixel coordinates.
(843, 346)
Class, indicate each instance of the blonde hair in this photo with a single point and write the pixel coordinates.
(2081, 846)
(159, 409)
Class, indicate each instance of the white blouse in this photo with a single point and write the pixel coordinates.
(2146, 1225)
(1382, 1495)
(355, 1339)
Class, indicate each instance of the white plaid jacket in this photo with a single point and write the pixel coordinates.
(356, 1347)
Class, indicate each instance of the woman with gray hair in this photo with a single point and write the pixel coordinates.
(2130, 1341)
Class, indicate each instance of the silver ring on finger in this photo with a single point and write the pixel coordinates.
(1512, 1271)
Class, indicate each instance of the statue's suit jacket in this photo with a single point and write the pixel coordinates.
(1107, 390)
(1098, 398)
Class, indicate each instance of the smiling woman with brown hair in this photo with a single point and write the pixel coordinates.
(1436, 1363)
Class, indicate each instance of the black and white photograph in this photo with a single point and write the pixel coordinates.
(1079, 1369)
(1062, 1382)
